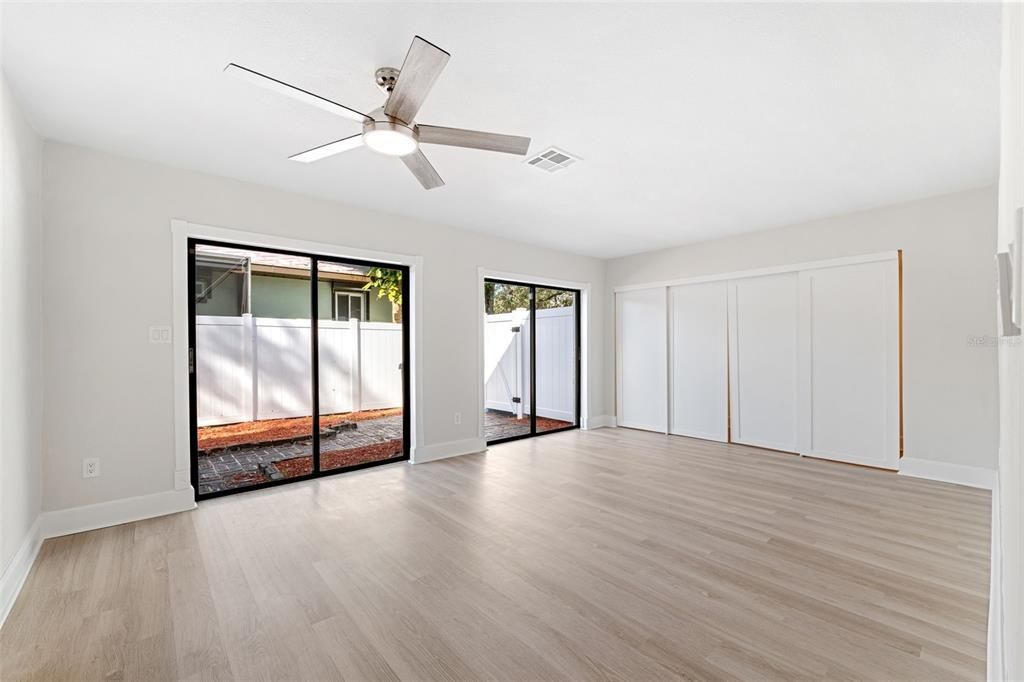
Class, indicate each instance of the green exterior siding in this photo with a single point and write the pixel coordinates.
(380, 308)
(287, 298)
(283, 298)
(225, 298)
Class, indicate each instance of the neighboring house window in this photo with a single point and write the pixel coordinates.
(349, 305)
(202, 293)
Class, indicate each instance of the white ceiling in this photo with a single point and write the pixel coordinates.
(694, 121)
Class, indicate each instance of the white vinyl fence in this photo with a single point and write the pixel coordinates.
(507, 362)
(251, 368)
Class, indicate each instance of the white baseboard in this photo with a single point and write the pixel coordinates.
(80, 519)
(453, 448)
(14, 576)
(602, 421)
(996, 668)
(115, 512)
(975, 477)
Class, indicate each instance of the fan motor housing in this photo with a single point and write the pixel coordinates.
(382, 121)
(389, 135)
(392, 124)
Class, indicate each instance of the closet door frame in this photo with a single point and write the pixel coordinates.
(803, 398)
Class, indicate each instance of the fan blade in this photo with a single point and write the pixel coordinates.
(329, 149)
(421, 168)
(257, 78)
(423, 64)
(474, 139)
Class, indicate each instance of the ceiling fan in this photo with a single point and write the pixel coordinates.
(392, 129)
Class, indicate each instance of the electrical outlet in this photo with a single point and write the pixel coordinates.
(90, 467)
(458, 417)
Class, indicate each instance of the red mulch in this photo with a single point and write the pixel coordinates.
(543, 423)
(299, 466)
(245, 433)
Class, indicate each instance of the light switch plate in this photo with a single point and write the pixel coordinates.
(160, 334)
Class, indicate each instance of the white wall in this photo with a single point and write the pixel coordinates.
(20, 331)
(949, 383)
(1006, 634)
(107, 235)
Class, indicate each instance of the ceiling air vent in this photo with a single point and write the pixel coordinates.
(553, 160)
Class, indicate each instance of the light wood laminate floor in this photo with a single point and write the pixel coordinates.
(611, 554)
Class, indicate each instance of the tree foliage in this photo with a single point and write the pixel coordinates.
(388, 284)
(504, 298)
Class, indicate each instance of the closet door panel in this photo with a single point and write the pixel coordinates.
(642, 359)
(763, 323)
(698, 356)
(850, 358)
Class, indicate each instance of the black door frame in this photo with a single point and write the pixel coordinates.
(533, 358)
(314, 261)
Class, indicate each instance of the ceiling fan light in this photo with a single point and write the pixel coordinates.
(398, 141)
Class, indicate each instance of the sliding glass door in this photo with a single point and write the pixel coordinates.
(556, 358)
(360, 359)
(298, 366)
(507, 361)
(531, 360)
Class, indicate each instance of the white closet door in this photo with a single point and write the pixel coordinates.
(642, 366)
(763, 323)
(850, 363)
(698, 355)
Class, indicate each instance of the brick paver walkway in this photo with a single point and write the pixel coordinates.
(504, 425)
(237, 467)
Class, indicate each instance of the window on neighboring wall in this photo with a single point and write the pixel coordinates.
(349, 305)
(202, 289)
